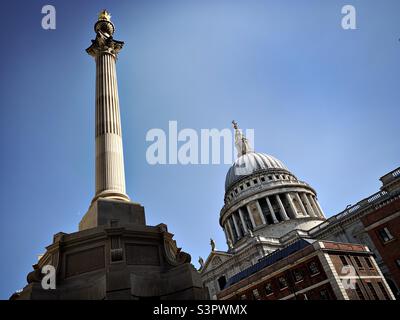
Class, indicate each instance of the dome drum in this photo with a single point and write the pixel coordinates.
(259, 181)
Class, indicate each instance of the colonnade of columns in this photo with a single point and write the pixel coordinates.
(271, 210)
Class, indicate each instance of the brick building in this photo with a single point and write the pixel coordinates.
(383, 227)
(312, 270)
(373, 222)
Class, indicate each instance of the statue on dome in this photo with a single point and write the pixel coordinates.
(241, 142)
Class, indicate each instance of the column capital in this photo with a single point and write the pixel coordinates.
(104, 42)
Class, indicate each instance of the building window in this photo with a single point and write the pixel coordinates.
(222, 282)
(324, 295)
(282, 282)
(263, 179)
(248, 184)
(255, 181)
(236, 191)
(277, 177)
(368, 262)
(384, 292)
(358, 262)
(268, 289)
(372, 289)
(256, 295)
(313, 268)
(385, 234)
(297, 275)
(270, 177)
(343, 260)
(359, 292)
(241, 187)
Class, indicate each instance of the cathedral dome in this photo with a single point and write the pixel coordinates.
(250, 163)
(263, 198)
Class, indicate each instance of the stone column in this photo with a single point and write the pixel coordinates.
(110, 175)
(226, 236)
(274, 219)
(319, 207)
(228, 227)
(303, 209)
(283, 210)
(243, 221)
(308, 205)
(236, 225)
(292, 206)
(311, 200)
(251, 216)
(234, 230)
(260, 212)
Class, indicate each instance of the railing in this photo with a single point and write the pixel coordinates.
(396, 173)
(389, 177)
(379, 196)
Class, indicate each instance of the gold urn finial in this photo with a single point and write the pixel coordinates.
(104, 15)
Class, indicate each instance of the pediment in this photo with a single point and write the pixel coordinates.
(215, 259)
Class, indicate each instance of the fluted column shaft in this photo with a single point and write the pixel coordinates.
(243, 221)
(284, 213)
(251, 216)
(307, 204)
(260, 212)
(274, 219)
(303, 208)
(110, 175)
(227, 236)
(311, 200)
(235, 224)
(292, 206)
(321, 212)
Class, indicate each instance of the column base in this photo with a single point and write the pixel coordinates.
(110, 194)
(112, 212)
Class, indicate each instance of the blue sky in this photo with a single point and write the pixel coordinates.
(323, 100)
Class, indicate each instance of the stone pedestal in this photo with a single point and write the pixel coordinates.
(104, 212)
(115, 255)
